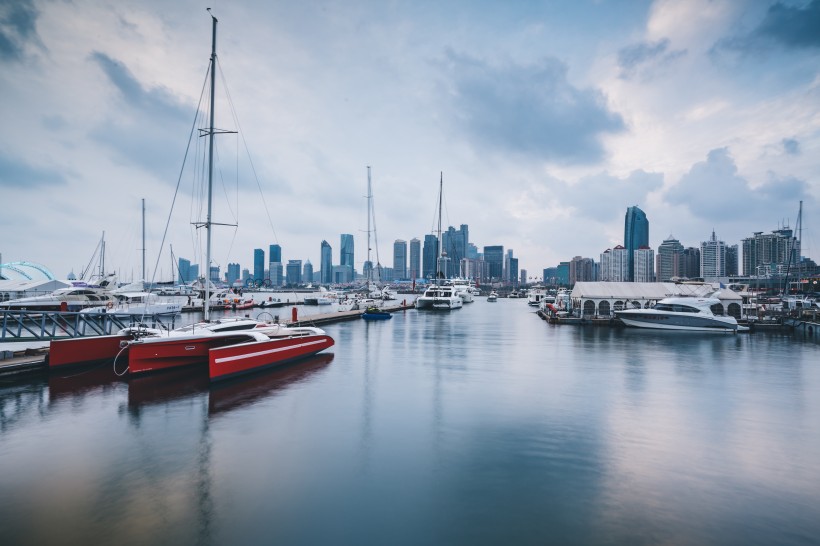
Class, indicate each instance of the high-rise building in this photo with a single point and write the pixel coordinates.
(523, 276)
(636, 235)
(454, 244)
(184, 268)
(307, 272)
(258, 265)
(275, 253)
(508, 277)
(293, 272)
(731, 261)
(690, 267)
(494, 258)
(581, 269)
(615, 264)
(400, 259)
(429, 256)
(644, 260)
(276, 275)
(415, 259)
(513, 270)
(712, 258)
(550, 275)
(326, 262)
(347, 256)
(233, 273)
(214, 274)
(670, 255)
(769, 250)
(563, 273)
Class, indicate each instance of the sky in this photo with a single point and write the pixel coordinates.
(545, 119)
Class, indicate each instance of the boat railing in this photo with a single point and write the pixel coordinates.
(47, 325)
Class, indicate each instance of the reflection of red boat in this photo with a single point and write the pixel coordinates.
(149, 389)
(229, 395)
(232, 360)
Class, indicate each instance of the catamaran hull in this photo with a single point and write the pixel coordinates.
(233, 360)
(172, 353)
(85, 350)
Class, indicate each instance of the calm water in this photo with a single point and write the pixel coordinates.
(482, 426)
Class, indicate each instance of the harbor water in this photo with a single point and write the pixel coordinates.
(483, 425)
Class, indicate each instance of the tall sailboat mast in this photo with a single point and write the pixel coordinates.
(143, 239)
(369, 213)
(210, 171)
(439, 273)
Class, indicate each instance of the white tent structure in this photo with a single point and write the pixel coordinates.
(602, 299)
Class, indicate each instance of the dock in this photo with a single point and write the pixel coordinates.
(34, 360)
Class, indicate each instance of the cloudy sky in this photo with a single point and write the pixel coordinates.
(547, 118)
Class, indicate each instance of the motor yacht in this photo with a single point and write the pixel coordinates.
(681, 313)
(439, 297)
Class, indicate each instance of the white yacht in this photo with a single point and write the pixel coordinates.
(138, 303)
(493, 296)
(439, 297)
(464, 288)
(74, 298)
(681, 313)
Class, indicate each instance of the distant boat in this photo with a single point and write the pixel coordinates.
(374, 313)
(493, 296)
(74, 298)
(682, 313)
(137, 304)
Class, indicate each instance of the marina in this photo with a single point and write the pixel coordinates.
(481, 426)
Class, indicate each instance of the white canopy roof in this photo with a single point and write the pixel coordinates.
(647, 290)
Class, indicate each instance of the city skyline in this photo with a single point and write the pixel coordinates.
(546, 124)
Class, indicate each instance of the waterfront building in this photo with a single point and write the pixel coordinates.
(636, 235)
(400, 259)
(276, 274)
(293, 272)
(275, 253)
(232, 273)
(644, 260)
(258, 265)
(326, 263)
(669, 260)
(429, 256)
(563, 273)
(769, 250)
(246, 275)
(342, 274)
(712, 258)
(471, 269)
(581, 269)
(307, 272)
(472, 252)
(186, 271)
(691, 263)
(214, 274)
(731, 261)
(513, 271)
(454, 243)
(415, 259)
(615, 265)
(550, 275)
(494, 258)
(523, 276)
(346, 251)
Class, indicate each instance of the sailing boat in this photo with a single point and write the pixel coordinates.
(230, 346)
(439, 295)
(372, 310)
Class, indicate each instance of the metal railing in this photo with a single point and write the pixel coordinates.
(46, 325)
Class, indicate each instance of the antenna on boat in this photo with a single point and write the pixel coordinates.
(439, 273)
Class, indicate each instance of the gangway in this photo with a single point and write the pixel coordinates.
(48, 325)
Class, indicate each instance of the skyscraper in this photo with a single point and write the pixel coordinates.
(184, 268)
(307, 272)
(614, 265)
(712, 258)
(415, 259)
(258, 265)
(670, 255)
(346, 249)
(770, 250)
(400, 259)
(644, 260)
(429, 256)
(293, 272)
(233, 273)
(326, 262)
(275, 253)
(454, 244)
(494, 258)
(636, 235)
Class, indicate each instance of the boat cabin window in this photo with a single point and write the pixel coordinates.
(676, 308)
